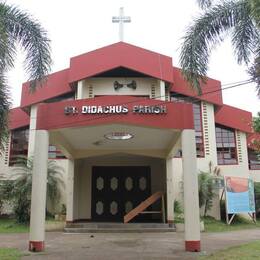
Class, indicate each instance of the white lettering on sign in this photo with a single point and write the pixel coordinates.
(104, 110)
(116, 109)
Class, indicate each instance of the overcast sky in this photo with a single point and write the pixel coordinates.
(78, 26)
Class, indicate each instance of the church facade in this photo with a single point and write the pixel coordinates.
(127, 129)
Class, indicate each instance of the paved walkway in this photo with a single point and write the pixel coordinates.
(154, 246)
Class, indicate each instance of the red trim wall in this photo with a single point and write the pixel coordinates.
(211, 91)
(178, 116)
(18, 118)
(234, 118)
(57, 84)
(120, 55)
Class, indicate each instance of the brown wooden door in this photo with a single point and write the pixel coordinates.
(117, 190)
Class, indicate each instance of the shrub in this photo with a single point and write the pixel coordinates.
(18, 190)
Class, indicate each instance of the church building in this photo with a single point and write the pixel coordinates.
(132, 137)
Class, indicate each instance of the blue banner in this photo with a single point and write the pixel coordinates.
(239, 195)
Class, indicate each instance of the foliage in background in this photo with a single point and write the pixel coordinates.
(17, 191)
(207, 186)
(63, 209)
(257, 198)
(177, 207)
(238, 18)
(178, 212)
(256, 123)
(19, 29)
(206, 191)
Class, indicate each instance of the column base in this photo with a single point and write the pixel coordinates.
(170, 222)
(192, 246)
(36, 246)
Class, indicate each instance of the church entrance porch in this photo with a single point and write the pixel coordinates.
(108, 187)
(89, 140)
(116, 190)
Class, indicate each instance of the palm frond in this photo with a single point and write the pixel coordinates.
(245, 37)
(204, 3)
(254, 71)
(22, 28)
(4, 111)
(255, 9)
(204, 34)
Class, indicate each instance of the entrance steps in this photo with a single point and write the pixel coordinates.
(118, 228)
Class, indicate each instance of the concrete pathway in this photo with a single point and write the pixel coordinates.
(154, 246)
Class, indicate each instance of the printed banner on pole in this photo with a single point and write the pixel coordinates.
(239, 195)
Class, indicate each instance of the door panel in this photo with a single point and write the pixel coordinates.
(117, 190)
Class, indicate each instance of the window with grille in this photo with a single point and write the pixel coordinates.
(226, 145)
(19, 144)
(198, 129)
(197, 115)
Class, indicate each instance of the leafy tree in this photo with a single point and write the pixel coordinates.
(206, 191)
(17, 190)
(208, 182)
(256, 123)
(18, 28)
(239, 18)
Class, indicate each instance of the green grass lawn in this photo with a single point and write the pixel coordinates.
(10, 254)
(242, 252)
(9, 226)
(212, 225)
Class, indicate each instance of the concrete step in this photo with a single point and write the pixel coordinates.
(117, 227)
(118, 230)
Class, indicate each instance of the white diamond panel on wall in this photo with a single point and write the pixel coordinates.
(142, 183)
(129, 183)
(114, 183)
(99, 208)
(128, 206)
(113, 208)
(100, 183)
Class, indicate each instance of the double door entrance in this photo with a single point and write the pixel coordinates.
(117, 190)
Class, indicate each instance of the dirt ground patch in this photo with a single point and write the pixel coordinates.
(107, 246)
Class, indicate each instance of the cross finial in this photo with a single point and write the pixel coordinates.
(121, 19)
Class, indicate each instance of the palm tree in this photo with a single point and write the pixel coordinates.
(18, 28)
(241, 18)
(17, 189)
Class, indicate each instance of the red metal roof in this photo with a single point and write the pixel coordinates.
(234, 118)
(18, 118)
(57, 84)
(211, 90)
(121, 54)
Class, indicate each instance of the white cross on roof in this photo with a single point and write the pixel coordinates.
(121, 19)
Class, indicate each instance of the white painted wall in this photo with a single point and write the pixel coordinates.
(105, 86)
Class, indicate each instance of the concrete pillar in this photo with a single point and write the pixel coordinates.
(32, 130)
(169, 187)
(191, 195)
(162, 90)
(39, 185)
(80, 90)
(70, 192)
